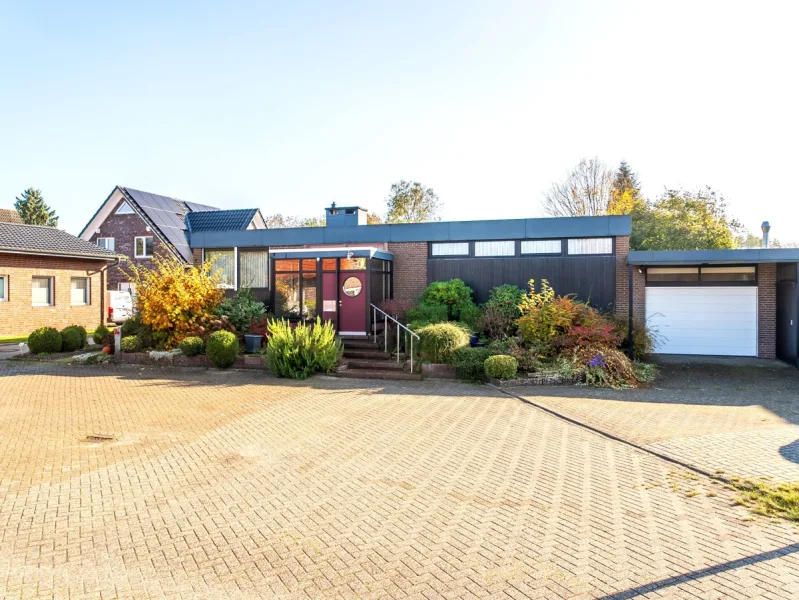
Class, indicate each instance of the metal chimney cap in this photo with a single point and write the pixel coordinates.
(765, 227)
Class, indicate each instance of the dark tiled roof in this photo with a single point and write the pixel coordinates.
(9, 215)
(220, 220)
(15, 237)
(167, 215)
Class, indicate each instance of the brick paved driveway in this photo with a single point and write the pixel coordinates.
(235, 485)
(740, 416)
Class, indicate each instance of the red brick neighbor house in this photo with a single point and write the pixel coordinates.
(49, 278)
(140, 225)
(9, 215)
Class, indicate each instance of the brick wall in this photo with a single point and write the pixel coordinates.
(19, 317)
(622, 276)
(767, 310)
(410, 268)
(124, 228)
(197, 257)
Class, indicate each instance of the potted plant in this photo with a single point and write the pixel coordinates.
(256, 334)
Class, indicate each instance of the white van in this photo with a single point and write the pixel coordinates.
(120, 306)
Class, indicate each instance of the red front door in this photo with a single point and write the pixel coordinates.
(352, 310)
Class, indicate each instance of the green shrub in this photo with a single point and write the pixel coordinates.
(303, 350)
(222, 349)
(73, 338)
(507, 299)
(469, 363)
(470, 316)
(101, 335)
(453, 294)
(501, 366)
(440, 340)
(191, 346)
(45, 340)
(241, 309)
(425, 314)
(130, 344)
(130, 327)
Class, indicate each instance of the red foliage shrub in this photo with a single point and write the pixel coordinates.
(396, 308)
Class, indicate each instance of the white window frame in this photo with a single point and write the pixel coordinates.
(106, 244)
(489, 248)
(136, 250)
(454, 248)
(533, 247)
(50, 291)
(87, 299)
(583, 246)
(4, 289)
(125, 209)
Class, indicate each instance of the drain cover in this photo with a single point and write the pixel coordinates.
(99, 437)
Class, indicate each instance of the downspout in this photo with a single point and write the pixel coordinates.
(631, 348)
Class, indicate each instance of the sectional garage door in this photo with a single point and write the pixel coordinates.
(704, 320)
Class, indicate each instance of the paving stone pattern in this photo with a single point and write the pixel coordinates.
(742, 419)
(236, 485)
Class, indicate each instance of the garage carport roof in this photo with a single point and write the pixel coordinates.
(713, 257)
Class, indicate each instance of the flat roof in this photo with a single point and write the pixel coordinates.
(711, 257)
(445, 231)
(332, 253)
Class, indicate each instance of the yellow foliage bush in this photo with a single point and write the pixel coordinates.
(171, 298)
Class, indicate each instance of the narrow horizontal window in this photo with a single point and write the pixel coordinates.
(223, 264)
(729, 273)
(353, 264)
(42, 291)
(541, 247)
(3, 288)
(591, 246)
(79, 292)
(107, 243)
(254, 269)
(503, 248)
(450, 249)
(672, 274)
(287, 265)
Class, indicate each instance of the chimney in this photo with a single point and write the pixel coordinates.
(344, 216)
(765, 228)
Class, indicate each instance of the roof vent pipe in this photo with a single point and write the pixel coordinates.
(765, 228)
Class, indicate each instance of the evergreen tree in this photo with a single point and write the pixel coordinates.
(33, 210)
(625, 192)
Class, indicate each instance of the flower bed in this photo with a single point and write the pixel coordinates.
(145, 358)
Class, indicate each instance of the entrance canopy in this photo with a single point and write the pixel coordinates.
(343, 252)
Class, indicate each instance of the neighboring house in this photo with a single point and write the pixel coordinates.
(9, 215)
(141, 225)
(49, 278)
(727, 302)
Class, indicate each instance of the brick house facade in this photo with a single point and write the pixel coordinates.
(410, 269)
(124, 229)
(18, 315)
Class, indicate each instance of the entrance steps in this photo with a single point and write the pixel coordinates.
(365, 359)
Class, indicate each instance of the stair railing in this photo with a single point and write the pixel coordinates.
(386, 318)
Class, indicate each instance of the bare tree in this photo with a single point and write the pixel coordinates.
(585, 191)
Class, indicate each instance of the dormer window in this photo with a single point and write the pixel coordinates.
(124, 209)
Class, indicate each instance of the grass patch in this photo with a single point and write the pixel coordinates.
(769, 499)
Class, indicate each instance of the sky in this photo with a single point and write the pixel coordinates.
(288, 106)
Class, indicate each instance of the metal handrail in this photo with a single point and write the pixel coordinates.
(386, 317)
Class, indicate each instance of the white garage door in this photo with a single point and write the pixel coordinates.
(704, 320)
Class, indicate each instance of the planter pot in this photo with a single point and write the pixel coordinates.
(252, 343)
(474, 341)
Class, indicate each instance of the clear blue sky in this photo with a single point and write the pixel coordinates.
(290, 105)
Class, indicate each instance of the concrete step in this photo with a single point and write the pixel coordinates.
(367, 344)
(363, 353)
(377, 365)
(371, 374)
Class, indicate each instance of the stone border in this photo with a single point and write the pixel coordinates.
(538, 378)
(248, 361)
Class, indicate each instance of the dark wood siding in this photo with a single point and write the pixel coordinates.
(788, 313)
(590, 278)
